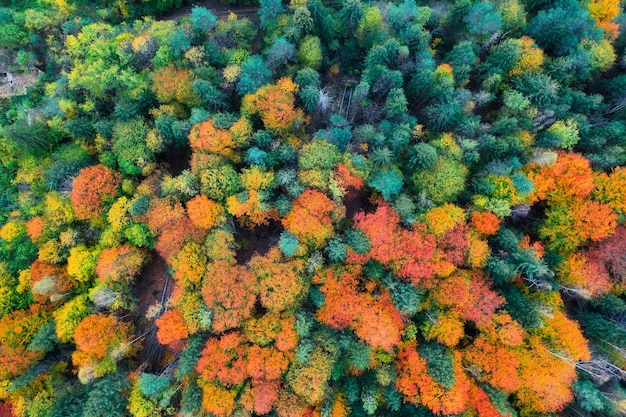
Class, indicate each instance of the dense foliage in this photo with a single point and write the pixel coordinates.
(406, 208)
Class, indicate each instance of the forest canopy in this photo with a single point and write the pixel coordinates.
(312, 208)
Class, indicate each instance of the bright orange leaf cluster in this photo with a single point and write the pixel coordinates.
(493, 357)
(569, 179)
(120, 264)
(419, 387)
(204, 212)
(171, 328)
(309, 218)
(92, 189)
(485, 222)
(370, 313)
(230, 361)
(206, 137)
(545, 379)
(162, 213)
(408, 253)
(96, 336)
(34, 227)
(275, 104)
(230, 291)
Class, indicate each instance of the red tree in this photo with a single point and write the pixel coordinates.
(610, 255)
(174, 235)
(406, 252)
(372, 317)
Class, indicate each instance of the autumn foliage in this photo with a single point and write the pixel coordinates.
(408, 253)
(34, 227)
(309, 218)
(174, 235)
(16, 332)
(545, 379)
(204, 213)
(372, 317)
(101, 340)
(569, 179)
(418, 386)
(229, 361)
(98, 333)
(275, 106)
(49, 280)
(230, 291)
(120, 264)
(282, 284)
(485, 222)
(174, 84)
(323, 209)
(206, 137)
(171, 327)
(92, 189)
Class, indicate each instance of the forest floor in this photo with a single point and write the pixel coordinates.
(220, 10)
(151, 284)
(356, 202)
(151, 289)
(176, 163)
(257, 241)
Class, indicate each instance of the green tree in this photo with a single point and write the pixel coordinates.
(280, 53)
(350, 15)
(396, 104)
(370, 30)
(107, 398)
(421, 156)
(203, 19)
(129, 144)
(559, 29)
(308, 77)
(389, 183)
(269, 10)
(288, 243)
(310, 52)
(210, 95)
(443, 182)
(483, 19)
(220, 183)
(254, 74)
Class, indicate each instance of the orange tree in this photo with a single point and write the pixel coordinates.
(93, 189)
